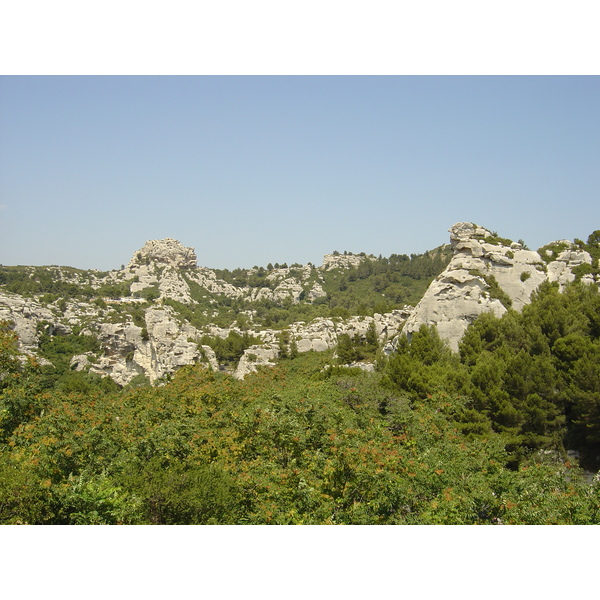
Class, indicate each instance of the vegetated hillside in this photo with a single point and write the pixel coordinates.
(298, 443)
(162, 311)
(490, 433)
(373, 285)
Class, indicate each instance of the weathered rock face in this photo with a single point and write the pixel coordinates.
(483, 273)
(316, 292)
(343, 261)
(462, 292)
(167, 252)
(322, 334)
(161, 264)
(171, 268)
(207, 279)
(25, 314)
(143, 336)
(561, 269)
(452, 303)
(163, 343)
(254, 358)
(159, 348)
(319, 335)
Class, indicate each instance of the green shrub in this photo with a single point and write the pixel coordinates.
(495, 291)
(496, 240)
(550, 251)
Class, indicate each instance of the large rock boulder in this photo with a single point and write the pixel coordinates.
(254, 358)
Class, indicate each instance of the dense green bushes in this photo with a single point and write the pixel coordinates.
(231, 348)
(531, 376)
(353, 349)
(286, 445)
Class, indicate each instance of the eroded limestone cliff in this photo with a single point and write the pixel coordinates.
(488, 274)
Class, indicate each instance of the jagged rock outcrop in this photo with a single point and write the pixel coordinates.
(171, 268)
(322, 334)
(161, 264)
(168, 252)
(161, 347)
(207, 279)
(141, 335)
(343, 261)
(318, 335)
(25, 315)
(486, 274)
(316, 292)
(254, 358)
(561, 269)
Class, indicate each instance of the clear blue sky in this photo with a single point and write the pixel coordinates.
(251, 170)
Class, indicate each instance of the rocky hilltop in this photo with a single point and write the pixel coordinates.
(162, 310)
(490, 274)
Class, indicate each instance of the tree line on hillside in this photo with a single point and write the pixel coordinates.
(47, 282)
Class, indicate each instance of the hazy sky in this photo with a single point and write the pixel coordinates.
(251, 170)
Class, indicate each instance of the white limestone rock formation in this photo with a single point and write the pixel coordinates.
(160, 263)
(484, 271)
(561, 269)
(168, 252)
(322, 334)
(316, 292)
(367, 367)
(26, 314)
(82, 362)
(459, 295)
(169, 266)
(343, 261)
(388, 325)
(159, 348)
(207, 279)
(172, 285)
(318, 335)
(255, 357)
(209, 356)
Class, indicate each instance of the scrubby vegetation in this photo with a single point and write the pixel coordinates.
(230, 349)
(382, 284)
(593, 247)
(59, 283)
(430, 437)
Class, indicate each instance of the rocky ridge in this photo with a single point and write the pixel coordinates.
(157, 340)
(143, 331)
